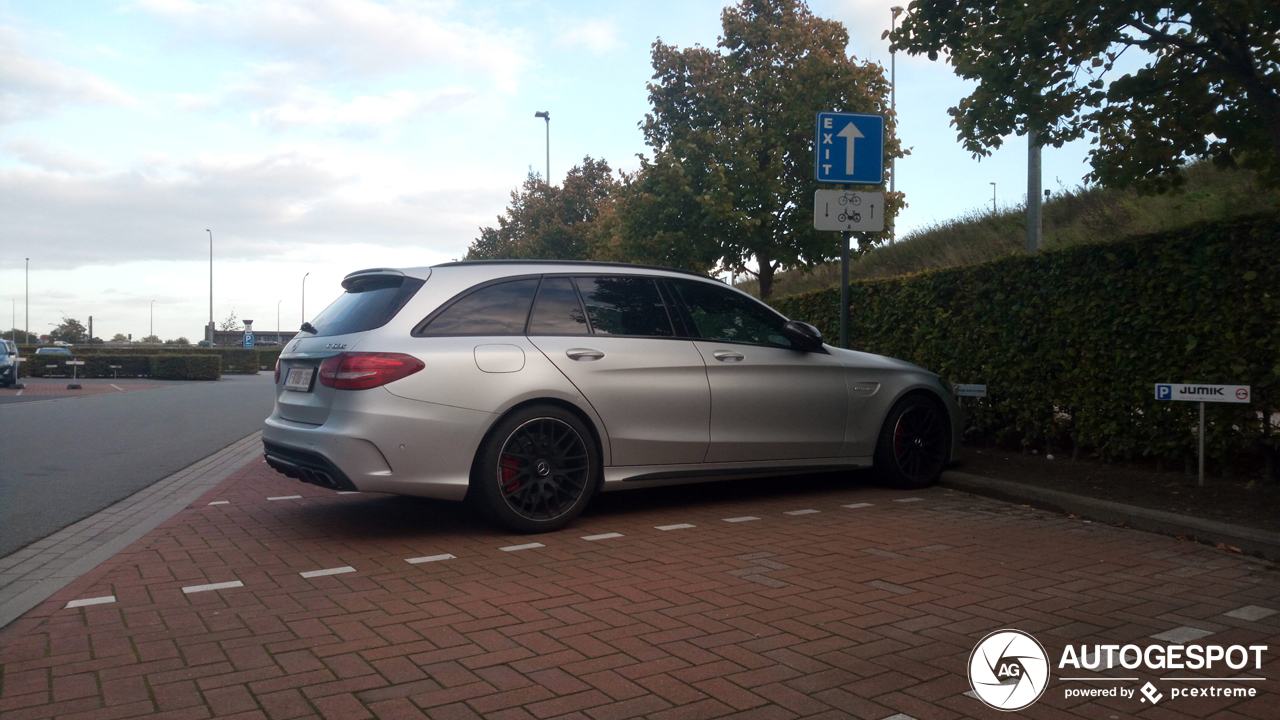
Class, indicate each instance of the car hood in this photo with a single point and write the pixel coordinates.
(855, 358)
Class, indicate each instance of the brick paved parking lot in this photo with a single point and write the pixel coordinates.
(807, 597)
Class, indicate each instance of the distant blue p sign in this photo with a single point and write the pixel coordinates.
(849, 148)
(1164, 391)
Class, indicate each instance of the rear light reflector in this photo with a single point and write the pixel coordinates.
(277, 371)
(361, 370)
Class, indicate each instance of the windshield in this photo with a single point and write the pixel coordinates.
(369, 306)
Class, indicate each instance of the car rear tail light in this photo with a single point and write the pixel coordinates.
(277, 371)
(361, 371)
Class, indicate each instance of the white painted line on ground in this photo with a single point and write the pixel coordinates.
(20, 392)
(606, 536)
(855, 506)
(92, 601)
(744, 518)
(117, 387)
(348, 492)
(1181, 635)
(1251, 613)
(286, 497)
(908, 500)
(681, 526)
(220, 502)
(215, 586)
(330, 571)
(900, 716)
(800, 512)
(429, 558)
(526, 546)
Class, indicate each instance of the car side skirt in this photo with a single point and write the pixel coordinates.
(641, 476)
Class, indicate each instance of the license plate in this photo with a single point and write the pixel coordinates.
(299, 379)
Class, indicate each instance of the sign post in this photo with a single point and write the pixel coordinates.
(1203, 394)
(248, 334)
(848, 149)
(73, 385)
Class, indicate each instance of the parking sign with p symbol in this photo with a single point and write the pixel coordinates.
(1164, 392)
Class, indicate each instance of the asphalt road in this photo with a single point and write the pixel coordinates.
(64, 459)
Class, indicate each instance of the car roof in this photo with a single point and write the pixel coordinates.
(505, 268)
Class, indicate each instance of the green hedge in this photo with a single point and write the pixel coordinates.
(206, 366)
(1070, 343)
(235, 361)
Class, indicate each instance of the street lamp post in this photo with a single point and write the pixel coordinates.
(304, 298)
(152, 333)
(210, 331)
(545, 115)
(278, 320)
(893, 109)
(993, 198)
(26, 306)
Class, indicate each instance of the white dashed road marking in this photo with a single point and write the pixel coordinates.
(117, 387)
(429, 558)
(348, 492)
(286, 497)
(215, 586)
(908, 500)
(330, 571)
(800, 512)
(1251, 612)
(681, 526)
(92, 601)
(526, 546)
(744, 518)
(1181, 635)
(606, 536)
(855, 506)
(220, 502)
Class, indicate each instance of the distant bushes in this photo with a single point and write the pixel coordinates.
(167, 366)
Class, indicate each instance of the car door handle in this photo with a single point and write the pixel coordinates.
(728, 356)
(583, 354)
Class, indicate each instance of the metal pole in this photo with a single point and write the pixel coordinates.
(26, 306)
(153, 320)
(844, 289)
(210, 284)
(993, 198)
(278, 320)
(304, 298)
(1200, 482)
(1033, 192)
(548, 124)
(893, 110)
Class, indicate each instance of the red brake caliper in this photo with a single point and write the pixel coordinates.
(509, 466)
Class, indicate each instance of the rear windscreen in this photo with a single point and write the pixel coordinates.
(369, 305)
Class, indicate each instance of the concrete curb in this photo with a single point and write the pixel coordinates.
(1258, 543)
(31, 575)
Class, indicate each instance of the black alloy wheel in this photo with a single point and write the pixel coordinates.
(537, 471)
(915, 443)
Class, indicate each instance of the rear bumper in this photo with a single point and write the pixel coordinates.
(309, 467)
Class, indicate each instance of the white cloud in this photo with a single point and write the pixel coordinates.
(598, 36)
(260, 206)
(32, 87)
(36, 153)
(358, 36)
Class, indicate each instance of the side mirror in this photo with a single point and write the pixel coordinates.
(803, 335)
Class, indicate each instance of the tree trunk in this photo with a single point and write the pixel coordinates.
(766, 278)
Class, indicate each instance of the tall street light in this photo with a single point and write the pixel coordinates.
(278, 320)
(893, 108)
(546, 116)
(26, 307)
(210, 331)
(153, 320)
(993, 198)
(304, 298)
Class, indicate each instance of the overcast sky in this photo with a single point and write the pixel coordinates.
(325, 136)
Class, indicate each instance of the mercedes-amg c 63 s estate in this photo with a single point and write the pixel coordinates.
(525, 387)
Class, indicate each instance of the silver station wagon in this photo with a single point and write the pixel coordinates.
(525, 387)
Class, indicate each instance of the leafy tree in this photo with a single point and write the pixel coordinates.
(119, 337)
(548, 222)
(230, 323)
(21, 337)
(1210, 87)
(735, 125)
(71, 331)
(178, 341)
(153, 339)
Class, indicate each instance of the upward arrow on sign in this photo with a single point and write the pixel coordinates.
(849, 133)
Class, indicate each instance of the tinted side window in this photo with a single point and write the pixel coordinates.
(369, 306)
(721, 314)
(557, 311)
(499, 309)
(625, 306)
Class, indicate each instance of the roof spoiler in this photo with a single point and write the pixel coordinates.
(359, 278)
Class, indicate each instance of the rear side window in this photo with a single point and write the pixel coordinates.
(499, 309)
(723, 315)
(625, 305)
(557, 311)
(369, 305)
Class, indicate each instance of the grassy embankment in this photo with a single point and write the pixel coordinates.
(1074, 217)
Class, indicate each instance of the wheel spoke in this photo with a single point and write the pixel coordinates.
(562, 454)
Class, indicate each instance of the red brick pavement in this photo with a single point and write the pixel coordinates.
(58, 388)
(865, 612)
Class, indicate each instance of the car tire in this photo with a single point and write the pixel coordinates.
(914, 444)
(536, 470)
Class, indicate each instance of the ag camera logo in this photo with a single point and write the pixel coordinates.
(1009, 670)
